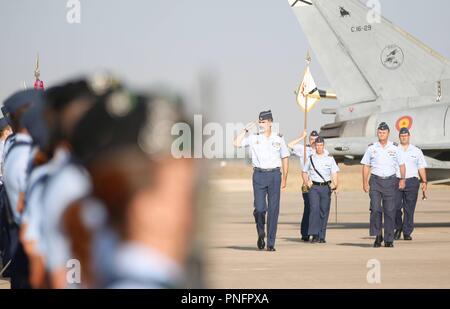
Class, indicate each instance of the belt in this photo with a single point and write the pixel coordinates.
(322, 183)
(266, 170)
(384, 178)
(410, 178)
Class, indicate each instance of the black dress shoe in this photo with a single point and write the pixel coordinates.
(407, 237)
(322, 241)
(389, 244)
(397, 234)
(315, 239)
(378, 241)
(261, 243)
(271, 249)
(305, 238)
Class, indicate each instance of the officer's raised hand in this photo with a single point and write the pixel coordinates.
(238, 140)
(250, 125)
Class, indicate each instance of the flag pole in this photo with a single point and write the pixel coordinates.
(308, 61)
(305, 128)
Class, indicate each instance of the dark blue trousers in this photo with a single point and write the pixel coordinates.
(382, 201)
(304, 226)
(406, 200)
(319, 201)
(266, 192)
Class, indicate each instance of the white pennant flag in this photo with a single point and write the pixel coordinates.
(308, 88)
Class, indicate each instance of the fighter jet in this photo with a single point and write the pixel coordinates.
(380, 73)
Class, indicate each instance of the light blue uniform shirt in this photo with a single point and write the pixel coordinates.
(384, 161)
(2, 146)
(8, 142)
(15, 171)
(70, 183)
(34, 199)
(414, 160)
(140, 267)
(32, 215)
(325, 165)
(105, 239)
(299, 152)
(266, 152)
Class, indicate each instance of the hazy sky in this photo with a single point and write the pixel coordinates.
(252, 49)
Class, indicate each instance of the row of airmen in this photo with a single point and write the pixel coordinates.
(395, 175)
(91, 195)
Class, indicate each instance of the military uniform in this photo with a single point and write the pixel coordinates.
(33, 216)
(140, 267)
(3, 125)
(66, 185)
(384, 184)
(16, 157)
(298, 150)
(320, 193)
(407, 198)
(15, 177)
(266, 153)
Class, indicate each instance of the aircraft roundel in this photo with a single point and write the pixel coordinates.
(404, 122)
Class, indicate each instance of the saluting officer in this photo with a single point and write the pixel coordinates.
(298, 150)
(382, 159)
(320, 173)
(407, 198)
(269, 153)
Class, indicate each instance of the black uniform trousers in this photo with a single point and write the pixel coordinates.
(266, 192)
(406, 200)
(383, 194)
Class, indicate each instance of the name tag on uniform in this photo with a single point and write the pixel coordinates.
(392, 153)
(276, 145)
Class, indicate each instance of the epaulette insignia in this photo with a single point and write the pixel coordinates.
(280, 135)
(371, 144)
(395, 144)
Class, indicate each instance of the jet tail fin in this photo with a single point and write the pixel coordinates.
(364, 55)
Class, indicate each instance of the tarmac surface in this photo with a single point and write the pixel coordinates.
(345, 261)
